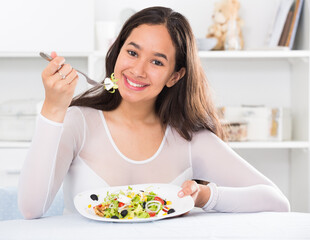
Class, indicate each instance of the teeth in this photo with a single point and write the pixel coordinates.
(134, 84)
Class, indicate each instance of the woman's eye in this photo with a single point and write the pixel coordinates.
(158, 63)
(132, 53)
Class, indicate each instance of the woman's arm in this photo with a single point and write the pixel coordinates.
(236, 185)
(53, 147)
(53, 143)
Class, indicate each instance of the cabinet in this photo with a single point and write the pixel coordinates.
(265, 77)
(11, 160)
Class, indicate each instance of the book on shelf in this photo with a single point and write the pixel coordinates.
(291, 37)
(279, 22)
(291, 25)
(286, 28)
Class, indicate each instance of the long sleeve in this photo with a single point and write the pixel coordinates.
(237, 186)
(52, 150)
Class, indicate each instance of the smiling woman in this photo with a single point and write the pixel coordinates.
(167, 38)
(160, 126)
(146, 62)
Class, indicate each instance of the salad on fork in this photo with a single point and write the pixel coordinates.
(109, 83)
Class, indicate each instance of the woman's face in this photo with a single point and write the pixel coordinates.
(146, 64)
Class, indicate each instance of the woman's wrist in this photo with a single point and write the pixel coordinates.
(53, 113)
(213, 197)
(203, 196)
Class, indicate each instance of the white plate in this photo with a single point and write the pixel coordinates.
(166, 191)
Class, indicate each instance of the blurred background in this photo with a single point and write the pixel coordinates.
(261, 87)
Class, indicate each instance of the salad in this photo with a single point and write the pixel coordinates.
(111, 84)
(129, 204)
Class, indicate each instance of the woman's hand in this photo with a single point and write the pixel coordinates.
(59, 81)
(199, 193)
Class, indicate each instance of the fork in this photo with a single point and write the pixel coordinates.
(108, 84)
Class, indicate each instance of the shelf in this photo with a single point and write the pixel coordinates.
(270, 145)
(12, 144)
(36, 54)
(285, 54)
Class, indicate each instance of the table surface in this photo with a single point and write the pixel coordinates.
(195, 225)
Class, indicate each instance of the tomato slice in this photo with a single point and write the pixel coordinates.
(159, 200)
(152, 214)
(165, 209)
(120, 204)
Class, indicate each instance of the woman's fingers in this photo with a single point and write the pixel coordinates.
(62, 83)
(70, 77)
(188, 188)
(63, 72)
(53, 67)
(53, 54)
(199, 193)
(59, 81)
(57, 77)
(73, 83)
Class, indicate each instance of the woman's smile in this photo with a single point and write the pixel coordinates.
(133, 84)
(145, 63)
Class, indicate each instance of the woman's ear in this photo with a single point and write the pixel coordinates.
(176, 77)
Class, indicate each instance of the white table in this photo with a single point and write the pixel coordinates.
(195, 225)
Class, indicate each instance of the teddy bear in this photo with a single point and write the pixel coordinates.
(226, 27)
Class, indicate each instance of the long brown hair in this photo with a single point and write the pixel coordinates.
(187, 106)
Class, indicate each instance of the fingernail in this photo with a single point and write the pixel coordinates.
(181, 194)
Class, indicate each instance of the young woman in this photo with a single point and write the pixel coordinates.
(160, 126)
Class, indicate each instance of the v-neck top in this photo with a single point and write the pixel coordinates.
(81, 154)
(121, 154)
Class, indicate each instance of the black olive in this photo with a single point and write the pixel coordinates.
(171, 211)
(124, 213)
(94, 197)
(114, 217)
(143, 205)
(165, 203)
(141, 191)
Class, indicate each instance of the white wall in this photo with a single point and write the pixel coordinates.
(36, 25)
(257, 17)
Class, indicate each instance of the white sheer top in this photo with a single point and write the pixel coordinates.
(81, 154)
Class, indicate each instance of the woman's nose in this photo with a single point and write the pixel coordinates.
(139, 68)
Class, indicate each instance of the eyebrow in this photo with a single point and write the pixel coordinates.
(156, 53)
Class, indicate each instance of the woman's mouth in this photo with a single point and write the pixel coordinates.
(134, 85)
